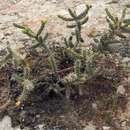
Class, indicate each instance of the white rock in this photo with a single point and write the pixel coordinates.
(90, 126)
(126, 60)
(5, 124)
(121, 90)
(106, 128)
(94, 106)
(1, 36)
(124, 123)
(54, 1)
(40, 127)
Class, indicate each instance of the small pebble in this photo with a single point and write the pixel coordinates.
(121, 90)
(106, 128)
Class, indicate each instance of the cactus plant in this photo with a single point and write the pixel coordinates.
(79, 20)
(118, 27)
(82, 64)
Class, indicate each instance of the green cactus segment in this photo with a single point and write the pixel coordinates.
(43, 23)
(80, 16)
(74, 54)
(28, 32)
(65, 19)
(71, 26)
(110, 16)
(81, 23)
(66, 43)
(18, 26)
(78, 37)
(85, 12)
(78, 21)
(41, 42)
(123, 14)
(84, 53)
(111, 25)
(53, 64)
(69, 42)
(116, 24)
(72, 13)
(77, 68)
(127, 21)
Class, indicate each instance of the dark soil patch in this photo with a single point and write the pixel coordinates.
(98, 103)
(56, 111)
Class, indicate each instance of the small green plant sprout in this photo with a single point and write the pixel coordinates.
(78, 21)
(41, 41)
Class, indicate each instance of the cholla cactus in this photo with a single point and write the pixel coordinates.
(118, 27)
(78, 20)
(14, 56)
(28, 86)
(77, 68)
(84, 65)
(53, 64)
(37, 36)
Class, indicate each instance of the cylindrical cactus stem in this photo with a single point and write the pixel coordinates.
(53, 64)
(65, 18)
(43, 23)
(77, 68)
(85, 12)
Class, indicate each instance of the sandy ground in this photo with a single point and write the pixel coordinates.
(32, 11)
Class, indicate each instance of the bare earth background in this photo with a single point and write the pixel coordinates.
(32, 11)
